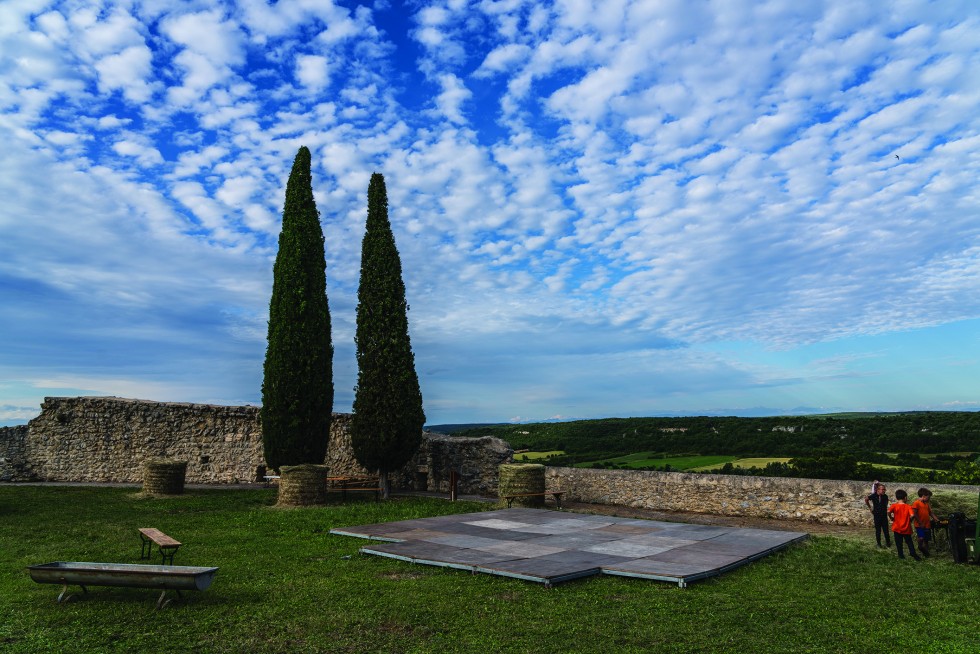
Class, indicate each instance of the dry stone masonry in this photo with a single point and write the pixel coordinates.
(12, 457)
(107, 439)
(812, 500)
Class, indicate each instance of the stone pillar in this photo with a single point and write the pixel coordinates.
(517, 478)
(164, 476)
(303, 485)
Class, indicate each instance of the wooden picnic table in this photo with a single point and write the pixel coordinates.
(356, 483)
(512, 496)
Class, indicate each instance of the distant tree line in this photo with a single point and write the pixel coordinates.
(827, 447)
(846, 466)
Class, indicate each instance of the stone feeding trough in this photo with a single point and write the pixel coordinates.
(131, 575)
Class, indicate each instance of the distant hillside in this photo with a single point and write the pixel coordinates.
(920, 432)
(455, 429)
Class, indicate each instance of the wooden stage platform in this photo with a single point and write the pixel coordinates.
(549, 547)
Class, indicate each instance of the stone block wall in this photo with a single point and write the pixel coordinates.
(106, 439)
(476, 460)
(812, 500)
(12, 458)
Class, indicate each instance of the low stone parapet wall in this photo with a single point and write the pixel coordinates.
(812, 500)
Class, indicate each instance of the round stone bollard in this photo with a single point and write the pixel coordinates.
(164, 476)
(302, 485)
(519, 478)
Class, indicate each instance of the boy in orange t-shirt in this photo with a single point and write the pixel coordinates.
(901, 515)
(923, 517)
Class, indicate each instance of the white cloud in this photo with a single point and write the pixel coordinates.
(450, 100)
(503, 58)
(208, 34)
(313, 71)
(340, 28)
(145, 154)
(212, 215)
(105, 36)
(200, 74)
(127, 71)
(112, 122)
(54, 25)
(236, 192)
(191, 162)
(63, 139)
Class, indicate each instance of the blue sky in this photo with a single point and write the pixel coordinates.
(604, 208)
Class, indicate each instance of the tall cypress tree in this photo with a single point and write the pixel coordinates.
(386, 429)
(297, 388)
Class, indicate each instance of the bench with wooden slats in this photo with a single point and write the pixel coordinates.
(345, 484)
(556, 494)
(168, 546)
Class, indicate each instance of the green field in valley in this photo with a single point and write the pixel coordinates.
(642, 460)
(532, 457)
(694, 463)
(749, 462)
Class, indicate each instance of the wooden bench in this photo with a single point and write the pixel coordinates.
(167, 545)
(268, 479)
(354, 484)
(556, 494)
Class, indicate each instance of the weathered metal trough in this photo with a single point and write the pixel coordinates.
(132, 575)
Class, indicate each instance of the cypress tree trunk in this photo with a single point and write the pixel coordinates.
(385, 484)
(297, 387)
(386, 428)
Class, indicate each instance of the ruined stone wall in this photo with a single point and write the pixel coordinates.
(101, 439)
(108, 438)
(812, 500)
(476, 460)
(12, 459)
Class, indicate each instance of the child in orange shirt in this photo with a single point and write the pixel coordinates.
(901, 515)
(923, 517)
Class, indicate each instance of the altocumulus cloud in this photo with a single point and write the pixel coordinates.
(602, 207)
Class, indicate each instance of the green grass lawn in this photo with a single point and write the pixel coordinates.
(287, 585)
